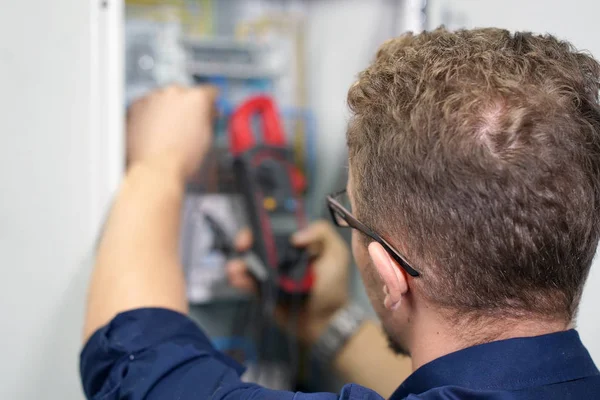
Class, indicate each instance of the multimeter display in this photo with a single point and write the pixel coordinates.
(283, 223)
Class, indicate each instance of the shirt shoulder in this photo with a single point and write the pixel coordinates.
(157, 353)
(551, 366)
(584, 388)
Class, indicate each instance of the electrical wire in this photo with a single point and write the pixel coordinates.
(300, 130)
(208, 18)
(310, 137)
(292, 337)
(268, 302)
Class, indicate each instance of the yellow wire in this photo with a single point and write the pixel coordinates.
(199, 25)
(300, 126)
(209, 25)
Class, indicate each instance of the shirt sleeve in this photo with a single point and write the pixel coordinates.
(157, 353)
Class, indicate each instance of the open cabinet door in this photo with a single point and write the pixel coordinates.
(61, 160)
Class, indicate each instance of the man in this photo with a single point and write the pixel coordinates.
(474, 198)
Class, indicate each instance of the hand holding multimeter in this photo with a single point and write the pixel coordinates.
(331, 259)
(271, 187)
(293, 251)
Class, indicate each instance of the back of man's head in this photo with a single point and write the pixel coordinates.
(477, 153)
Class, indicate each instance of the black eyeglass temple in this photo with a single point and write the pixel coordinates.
(356, 224)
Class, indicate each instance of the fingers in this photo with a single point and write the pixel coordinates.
(321, 240)
(200, 96)
(243, 240)
(238, 277)
(203, 90)
(210, 91)
(320, 232)
(317, 238)
(237, 271)
(205, 96)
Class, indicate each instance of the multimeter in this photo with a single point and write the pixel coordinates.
(271, 186)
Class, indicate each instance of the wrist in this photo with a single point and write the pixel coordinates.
(165, 166)
(318, 325)
(344, 324)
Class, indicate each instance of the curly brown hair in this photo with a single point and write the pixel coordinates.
(477, 152)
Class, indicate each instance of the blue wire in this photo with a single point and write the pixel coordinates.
(310, 137)
(261, 85)
(224, 106)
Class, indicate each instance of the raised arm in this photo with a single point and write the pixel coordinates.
(137, 264)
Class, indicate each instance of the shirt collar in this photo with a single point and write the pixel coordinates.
(511, 364)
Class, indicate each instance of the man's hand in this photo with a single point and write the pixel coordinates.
(173, 125)
(137, 264)
(331, 261)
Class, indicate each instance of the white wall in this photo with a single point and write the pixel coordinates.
(57, 168)
(575, 20)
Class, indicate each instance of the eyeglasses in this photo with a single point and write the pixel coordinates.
(339, 204)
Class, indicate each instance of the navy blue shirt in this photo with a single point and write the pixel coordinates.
(160, 354)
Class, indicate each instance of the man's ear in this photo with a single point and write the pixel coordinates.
(393, 278)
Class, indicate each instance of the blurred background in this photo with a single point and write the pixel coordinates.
(68, 71)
